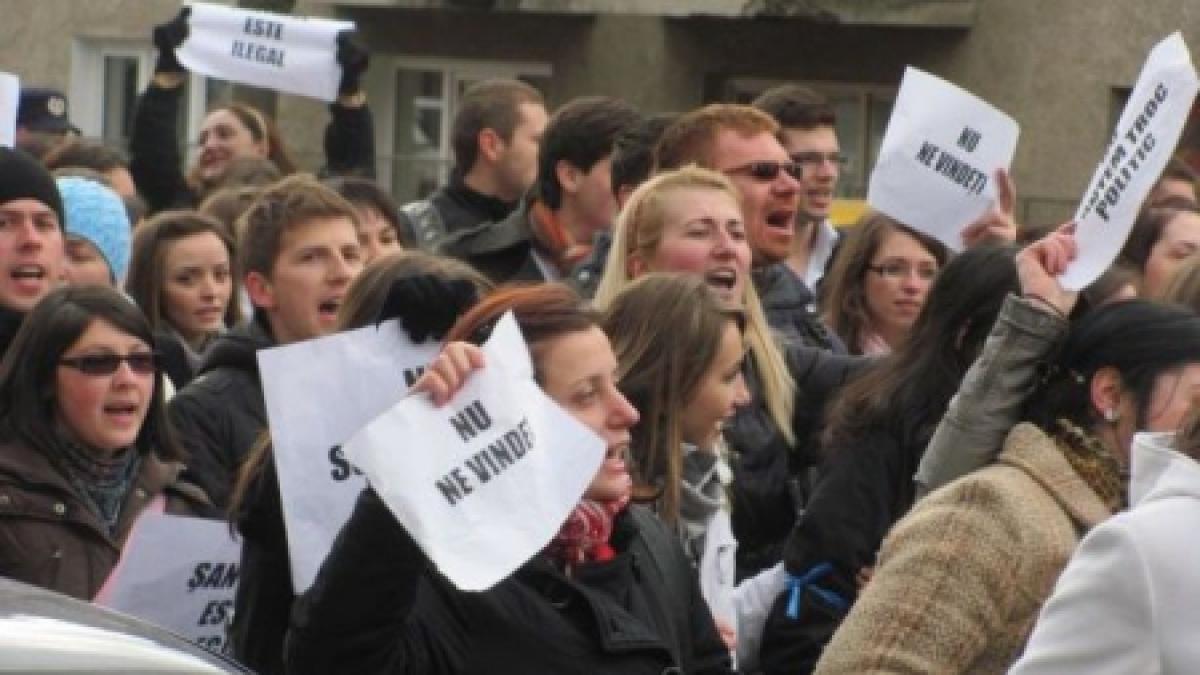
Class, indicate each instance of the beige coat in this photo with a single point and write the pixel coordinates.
(962, 577)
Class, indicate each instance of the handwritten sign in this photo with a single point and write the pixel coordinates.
(10, 100)
(294, 55)
(483, 483)
(939, 157)
(1142, 144)
(319, 393)
(179, 573)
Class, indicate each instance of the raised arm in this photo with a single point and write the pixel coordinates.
(988, 402)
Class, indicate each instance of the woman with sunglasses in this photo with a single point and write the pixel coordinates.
(84, 442)
(878, 283)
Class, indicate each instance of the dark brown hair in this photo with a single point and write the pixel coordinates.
(292, 201)
(844, 304)
(795, 106)
(261, 128)
(490, 104)
(147, 279)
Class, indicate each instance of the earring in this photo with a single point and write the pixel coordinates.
(1111, 415)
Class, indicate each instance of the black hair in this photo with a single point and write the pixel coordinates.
(28, 386)
(366, 193)
(913, 385)
(1139, 338)
(633, 151)
(581, 132)
(795, 106)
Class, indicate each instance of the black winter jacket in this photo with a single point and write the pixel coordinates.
(221, 413)
(378, 607)
(460, 209)
(264, 594)
(866, 486)
(769, 474)
(503, 251)
(785, 301)
(156, 164)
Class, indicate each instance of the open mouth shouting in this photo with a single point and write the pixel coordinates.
(327, 310)
(724, 282)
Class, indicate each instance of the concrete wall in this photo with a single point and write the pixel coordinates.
(1053, 65)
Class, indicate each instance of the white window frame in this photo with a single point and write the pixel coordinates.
(381, 87)
(86, 92)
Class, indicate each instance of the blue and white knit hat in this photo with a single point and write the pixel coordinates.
(95, 213)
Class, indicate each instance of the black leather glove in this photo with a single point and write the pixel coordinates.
(353, 58)
(167, 38)
(427, 305)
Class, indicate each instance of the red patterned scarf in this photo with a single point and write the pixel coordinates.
(555, 239)
(584, 535)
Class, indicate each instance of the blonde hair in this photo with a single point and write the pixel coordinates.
(638, 230)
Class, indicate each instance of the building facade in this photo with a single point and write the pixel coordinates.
(1062, 69)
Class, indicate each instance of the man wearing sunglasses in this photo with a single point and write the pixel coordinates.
(743, 143)
(809, 133)
(31, 238)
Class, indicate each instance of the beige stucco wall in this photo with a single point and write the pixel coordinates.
(1052, 65)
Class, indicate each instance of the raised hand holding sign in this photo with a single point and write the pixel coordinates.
(294, 55)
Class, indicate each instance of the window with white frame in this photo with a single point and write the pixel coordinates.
(862, 112)
(421, 102)
(107, 76)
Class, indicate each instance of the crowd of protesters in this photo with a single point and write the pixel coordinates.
(843, 450)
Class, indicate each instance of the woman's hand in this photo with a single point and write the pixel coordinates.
(449, 371)
(727, 632)
(1040, 264)
(998, 222)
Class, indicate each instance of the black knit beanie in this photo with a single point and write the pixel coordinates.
(22, 177)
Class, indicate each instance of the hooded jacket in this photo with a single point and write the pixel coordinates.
(1127, 601)
(220, 414)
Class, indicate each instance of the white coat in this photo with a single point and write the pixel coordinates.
(1129, 601)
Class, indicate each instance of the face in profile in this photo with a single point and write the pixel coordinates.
(718, 394)
(1180, 239)
(580, 375)
(103, 387)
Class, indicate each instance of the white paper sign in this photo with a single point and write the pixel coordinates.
(10, 99)
(483, 483)
(294, 55)
(939, 156)
(179, 573)
(1143, 142)
(319, 393)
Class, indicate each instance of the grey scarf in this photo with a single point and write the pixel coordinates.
(701, 495)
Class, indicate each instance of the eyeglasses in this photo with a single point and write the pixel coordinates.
(816, 158)
(767, 170)
(142, 363)
(897, 269)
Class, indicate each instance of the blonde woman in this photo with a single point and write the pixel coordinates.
(690, 220)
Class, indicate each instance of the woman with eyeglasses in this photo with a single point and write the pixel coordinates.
(878, 283)
(84, 442)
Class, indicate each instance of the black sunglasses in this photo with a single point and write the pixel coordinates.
(142, 363)
(768, 170)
